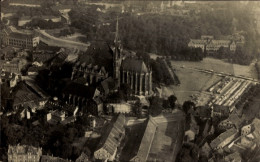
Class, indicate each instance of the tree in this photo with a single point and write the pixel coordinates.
(137, 108)
(155, 106)
(172, 99)
(187, 105)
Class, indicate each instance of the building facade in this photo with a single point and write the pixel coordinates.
(23, 153)
(131, 71)
(19, 39)
(110, 141)
(92, 73)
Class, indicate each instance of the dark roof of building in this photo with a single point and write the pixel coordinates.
(81, 80)
(98, 54)
(135, 65)
(108, 84)
(42, 56)
(46, 47)
(80, 90)
(111, 139)
(22, 94)
(59, 58)
(223, 136)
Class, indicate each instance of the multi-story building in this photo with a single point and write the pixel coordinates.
(13, 66)
(110, 141)
(131, 71)
(23, 153)
(92, 73)
(208, 43)
(214, 45)
(198, 43)
(18, 38)
(224, 139)
(10, 78)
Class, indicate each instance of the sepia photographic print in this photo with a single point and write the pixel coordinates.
(129, 80)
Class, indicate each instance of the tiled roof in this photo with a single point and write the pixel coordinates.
(22, 94)
(136, 65)
(222, 137)
(42, 57)
(144, 148)
(111, 139)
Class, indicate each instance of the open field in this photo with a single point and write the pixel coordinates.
(194, 82)
(219, 66)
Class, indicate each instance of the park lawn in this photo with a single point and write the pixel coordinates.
(219, 66)
(192, 83)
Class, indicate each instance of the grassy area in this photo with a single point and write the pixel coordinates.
(219, 66)
(194, 82)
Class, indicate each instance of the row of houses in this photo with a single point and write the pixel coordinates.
(209, 44)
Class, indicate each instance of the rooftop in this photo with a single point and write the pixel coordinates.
(223, 136)
(24, 149)
(111, 139)
(80, 90)
(135, 65)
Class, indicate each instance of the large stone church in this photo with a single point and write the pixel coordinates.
(126, 70)
(130, 70)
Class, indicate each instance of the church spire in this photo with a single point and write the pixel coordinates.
(116, 36)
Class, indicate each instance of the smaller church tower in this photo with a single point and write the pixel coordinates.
(117, 56)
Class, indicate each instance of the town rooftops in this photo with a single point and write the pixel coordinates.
(7, 75)
(22, 94)
(112, 137)
(24, 149)
(135, 65)
(222, 137)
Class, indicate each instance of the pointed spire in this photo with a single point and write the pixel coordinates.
(116, 36)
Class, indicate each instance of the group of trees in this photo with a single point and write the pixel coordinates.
(43, 24)
(168, 34)
(238, 57)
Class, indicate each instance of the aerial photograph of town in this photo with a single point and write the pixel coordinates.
(129, 80)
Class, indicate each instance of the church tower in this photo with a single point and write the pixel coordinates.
(117, 56)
